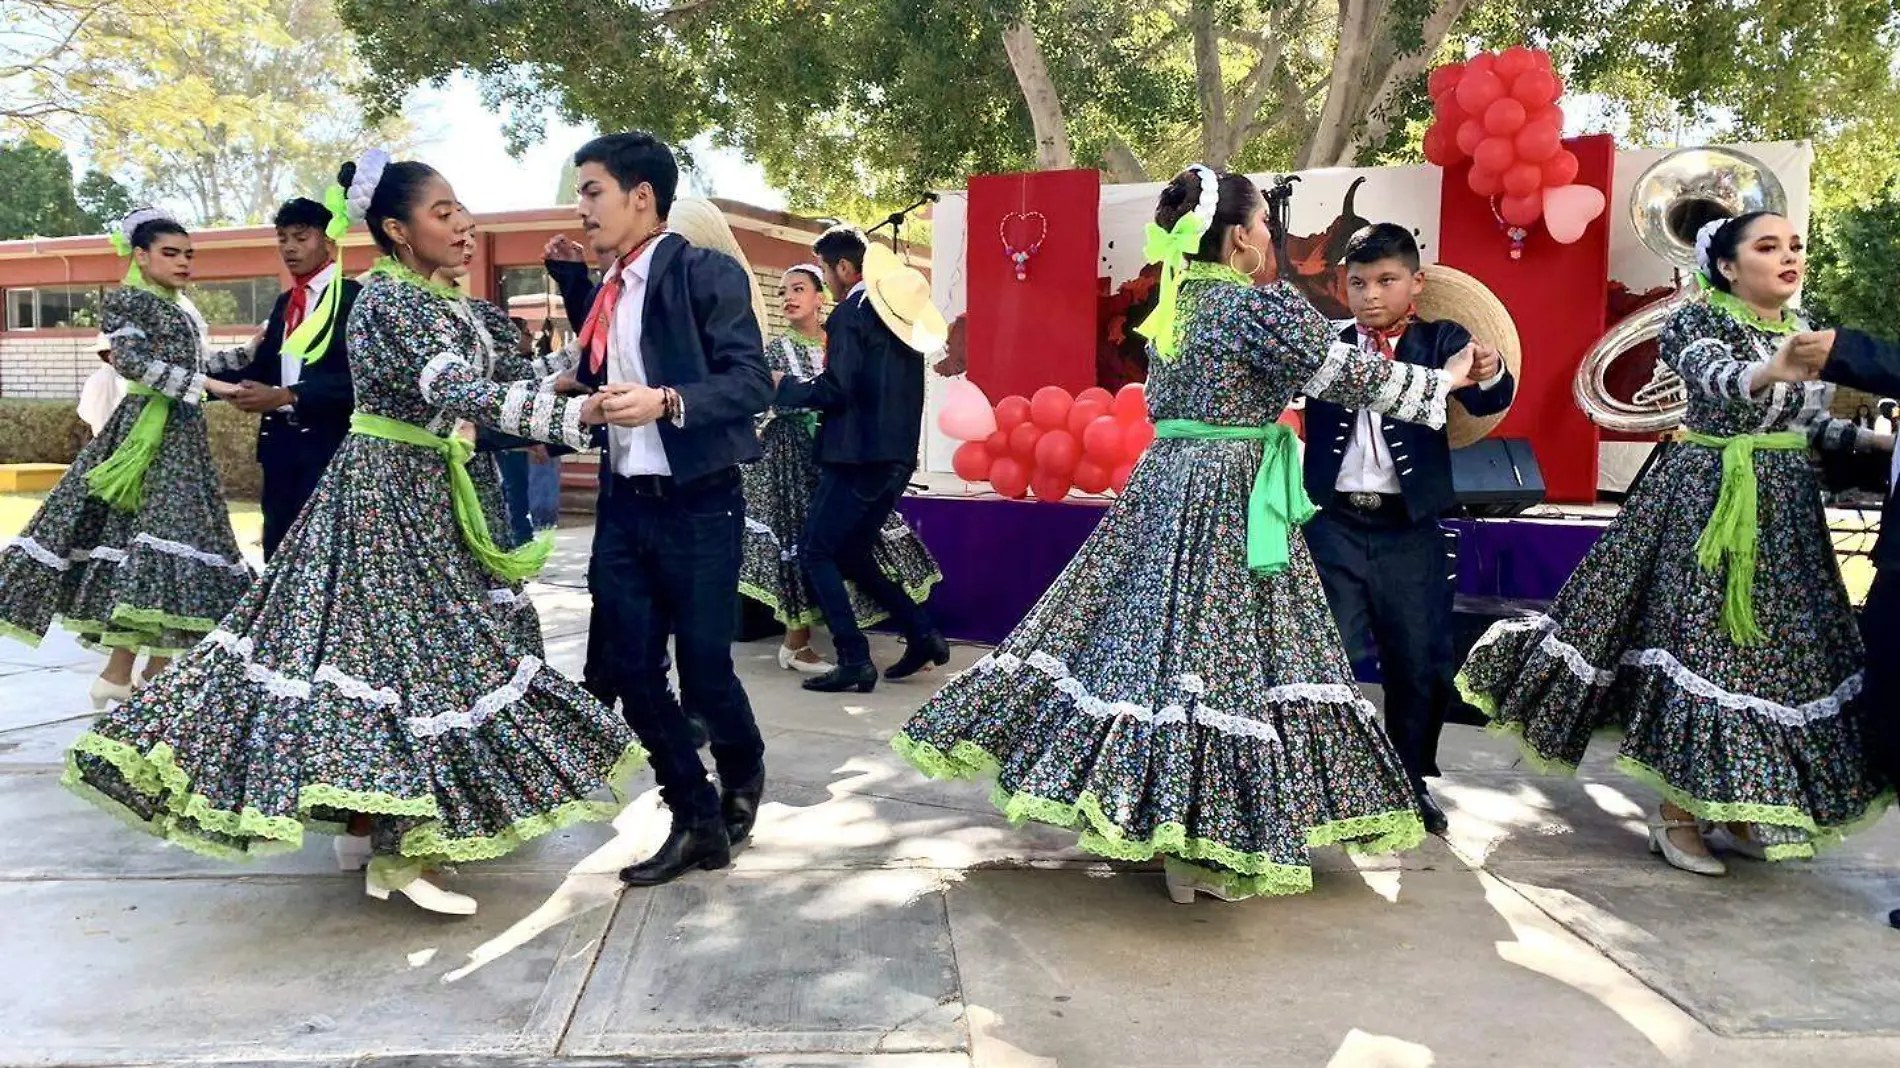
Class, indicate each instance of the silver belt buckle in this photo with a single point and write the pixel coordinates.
(1365, 502)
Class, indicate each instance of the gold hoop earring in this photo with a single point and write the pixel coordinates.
(1259, 260)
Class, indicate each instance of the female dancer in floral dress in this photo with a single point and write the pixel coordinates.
(369, 679)
(1180, 689)
(778, 493)
(133, 549)
(1709, 623)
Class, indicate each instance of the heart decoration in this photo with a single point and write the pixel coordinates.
(1019, 257)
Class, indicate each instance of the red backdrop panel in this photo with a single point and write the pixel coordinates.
(1557, 295)
(1041, 331)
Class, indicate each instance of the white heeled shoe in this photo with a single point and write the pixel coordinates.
(788, 660)
(1182, 887)
(425, 895)
(1749, 846)
(1660, 843)
(352, 852)
(104, 693)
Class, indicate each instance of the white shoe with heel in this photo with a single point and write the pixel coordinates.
(792, 660)
(425, 895)
(1660, 843)
(105, 693)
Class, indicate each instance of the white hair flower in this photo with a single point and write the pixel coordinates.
(369, 174)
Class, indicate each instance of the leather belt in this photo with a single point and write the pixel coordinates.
(1369, 502)
(644, 485)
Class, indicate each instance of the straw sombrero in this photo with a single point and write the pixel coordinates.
(704, 225)
(1452, 294)
(901, 296)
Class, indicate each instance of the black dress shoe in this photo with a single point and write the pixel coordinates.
(1893, 918)
(859, 677)
(920, 655)
(740, 807)
(686, 848)
(1435, 821)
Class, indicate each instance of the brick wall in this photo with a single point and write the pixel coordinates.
(56, 366)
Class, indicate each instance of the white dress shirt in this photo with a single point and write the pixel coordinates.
(1368, 466)
(633, 450)
(290, 367)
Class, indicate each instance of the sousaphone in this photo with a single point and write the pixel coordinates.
(1671, 201)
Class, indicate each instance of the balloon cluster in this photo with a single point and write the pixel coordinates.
(1050, 443)
(1499, 109)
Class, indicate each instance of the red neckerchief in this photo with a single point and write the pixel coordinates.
(593, 339)
(1387, 340)
(299, 303)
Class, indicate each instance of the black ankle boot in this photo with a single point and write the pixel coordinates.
(859, 677)
(1435, 820)
(740, 807)
(919, 655)
(686, 848)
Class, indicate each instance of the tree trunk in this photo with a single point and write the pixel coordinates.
(1209, 86)
(1120, 162)
(1380, 107)
(1367, 74)
(1039, 93)
(1358, 27)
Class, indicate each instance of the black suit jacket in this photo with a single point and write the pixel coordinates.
(871, 391)
(1422, 454)
(699, 336)
(325, 397)
(1868, 363)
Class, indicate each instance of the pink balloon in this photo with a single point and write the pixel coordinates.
(1009, 478)
(1495, 154)
(1057, 453)
(1570, 209)
(1049, 408)
(1523, 179)
(966, 414)
(1521, 211)
(1477, 89)
(1534, 88)
(1537, 143)
(1102, 441)
(1504, 117)
(1136, 437)
(1091, 477)
(972, 462)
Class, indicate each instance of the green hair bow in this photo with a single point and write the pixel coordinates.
(337, 199)
(1170, 248)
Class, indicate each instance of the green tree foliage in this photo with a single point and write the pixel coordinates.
(42, 201)
(1854, 272)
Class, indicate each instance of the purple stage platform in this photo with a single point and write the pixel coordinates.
(998, 556)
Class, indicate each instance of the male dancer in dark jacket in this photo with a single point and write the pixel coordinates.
(1382, 486)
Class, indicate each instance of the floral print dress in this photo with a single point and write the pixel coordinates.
(157, 579)
(376, 667)
(1165, 698)
(778, 491)
(1635, 642)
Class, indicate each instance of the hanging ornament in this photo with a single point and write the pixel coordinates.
(1019, 257)
(1517, 234)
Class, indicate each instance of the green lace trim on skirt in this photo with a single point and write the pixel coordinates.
(815, 617)
(1286, 881)
(20, 634)
(156, 774)
(1379, 832)
(1820, 837)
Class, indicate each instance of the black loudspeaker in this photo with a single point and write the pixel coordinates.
(1496, 477)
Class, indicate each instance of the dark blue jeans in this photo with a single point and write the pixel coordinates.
(514, 492)
(544, 491)
(847, 517)
(1388, 578)
(667, 567)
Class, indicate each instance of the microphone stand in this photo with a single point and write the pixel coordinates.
(896, 221)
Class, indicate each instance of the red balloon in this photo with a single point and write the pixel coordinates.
(1441, 148)
(1495, 154)
(1446, 110)
(1469, 136)
(1131, 403)
(1119, 480)
(1523, 179)
(1102, 441)
(997, 445)
(1057, 453)
(1009, 478)
(1543, 59)
(1091, 477)
(1487, 61)
(1560, 170)
(1504, 117)
(1549, 114)
(1086, 410)
(1097, 394)
(1136, 438)
(1049, 486)
(1022, 443)
(1049, 408)
(1444, 79)
(1535, 88)
(1011, 412)
(1477, 89)
(1521, 211)
(1538, 143)
(1485, 183)
(972, 462)
(1514, 61)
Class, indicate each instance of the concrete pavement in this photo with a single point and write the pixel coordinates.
(884, 921)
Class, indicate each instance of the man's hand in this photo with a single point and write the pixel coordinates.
(258, 398)
(631, 405)
(564, 249)
(1799, 357)
(1486, 362)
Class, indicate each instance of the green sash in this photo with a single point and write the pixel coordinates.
(120, 480)
(1732, 530)
(1278, 502)
(516, 566)
(312, 337)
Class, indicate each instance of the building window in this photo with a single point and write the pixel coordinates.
(236, 302)
(54, 308)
